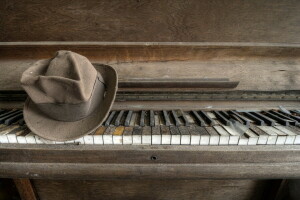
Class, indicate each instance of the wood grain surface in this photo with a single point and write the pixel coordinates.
(145, 20)
(152, 189)
(92, 162)
(25, 189)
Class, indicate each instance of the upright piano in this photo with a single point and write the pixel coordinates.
(208, 105)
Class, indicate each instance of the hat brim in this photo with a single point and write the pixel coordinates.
(51, 129)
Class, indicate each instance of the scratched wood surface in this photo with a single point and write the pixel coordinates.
(145, 20)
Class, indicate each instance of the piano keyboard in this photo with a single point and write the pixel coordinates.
(173, 127)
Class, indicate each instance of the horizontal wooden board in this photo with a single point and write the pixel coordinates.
(192, 162)
(151, 189)
(144, 21)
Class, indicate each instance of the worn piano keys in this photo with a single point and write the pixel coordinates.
(173, 127)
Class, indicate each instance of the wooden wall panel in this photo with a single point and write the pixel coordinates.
(151, 20)
(151, 189)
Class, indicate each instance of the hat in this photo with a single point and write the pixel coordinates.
(68, 96)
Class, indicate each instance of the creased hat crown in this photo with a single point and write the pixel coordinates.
(67, 78)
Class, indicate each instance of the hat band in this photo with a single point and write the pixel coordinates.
(74, 112)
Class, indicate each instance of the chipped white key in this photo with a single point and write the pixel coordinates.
(127, 135)
(165, 135)
(80, 140)
(146, 135)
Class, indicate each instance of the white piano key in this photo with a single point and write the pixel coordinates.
(127, 135)
(118, 135)
(224, 136)
(70, 142)
(59, 142)
(272, 138)
(175, 139)
(108, 135)
(30, 138)
(190, 119)
(21, 140)
(214, 136)
(80, 140)
(88, 139)
(8, 129)
(291, 136)
(156, 120)
(3, 139)
(137, 135)
(185, 136)
(12, 138)
(117, 139)
(234, 135)
(243, 140)
(252, 137)
(211, 115)
(165, 135)
(195, 135)
(156, 136)
(107, 139)
(98, 139)
(133, 119)
(146, 135)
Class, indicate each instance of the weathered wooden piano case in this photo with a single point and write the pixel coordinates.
(186, 70)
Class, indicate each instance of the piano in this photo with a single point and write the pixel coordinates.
(211, 118)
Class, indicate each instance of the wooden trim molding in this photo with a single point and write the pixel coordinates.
(181, 162)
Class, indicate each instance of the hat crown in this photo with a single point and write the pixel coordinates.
(66, 78)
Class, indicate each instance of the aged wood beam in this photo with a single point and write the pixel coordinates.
(181, 162)
(25, 189)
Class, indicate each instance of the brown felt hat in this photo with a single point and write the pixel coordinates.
(68, 96)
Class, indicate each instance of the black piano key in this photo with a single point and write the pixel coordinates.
(257, 120)
(13, 119)
(183, 115)
(128, 118)
(296, 112)
(142, 118)
(291, 121)
(225, 114)
(206, 118)
(152, 120)
(118, 119)
(223, 119)
(11, 114)
(166, 117)
(291, 116)
(176, 119)
(266, 119)
(277, 118)
(245, 121)
(198, 118)
(21, 122)
(8, 113)
(110, 118)
(3, 111)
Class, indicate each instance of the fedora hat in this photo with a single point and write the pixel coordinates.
(68, 97)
